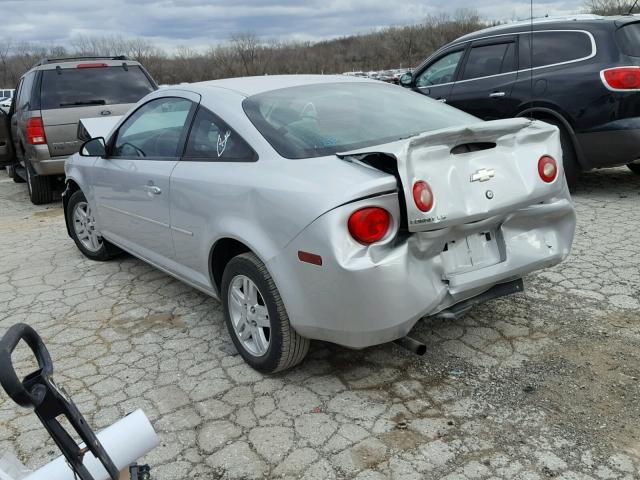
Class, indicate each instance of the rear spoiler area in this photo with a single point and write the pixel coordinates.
(474, 172)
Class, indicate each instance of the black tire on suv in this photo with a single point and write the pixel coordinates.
(39, 186)
(570, 163)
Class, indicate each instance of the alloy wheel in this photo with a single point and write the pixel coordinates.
(249, 315)
(84, 225)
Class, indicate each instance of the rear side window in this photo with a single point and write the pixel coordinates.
(551, 48)
(77, 87)
(25, 91)
(629, 39)
(487, 60)
(213, 139)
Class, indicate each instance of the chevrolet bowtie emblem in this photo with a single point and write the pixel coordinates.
(483, 175)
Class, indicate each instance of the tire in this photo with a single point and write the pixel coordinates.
(39, 186)
(13, 173)
(570, 163)
(102, 250)
(634, 167)
(285, 348)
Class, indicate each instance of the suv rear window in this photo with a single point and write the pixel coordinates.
(552, 48)
(629, 39)
(77, 87)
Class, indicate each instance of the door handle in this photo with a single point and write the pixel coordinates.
(152, 189)
(497, 94)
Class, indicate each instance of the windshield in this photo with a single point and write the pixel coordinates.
(324, 119)
(78, 87)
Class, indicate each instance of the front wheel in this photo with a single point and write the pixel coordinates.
(634, 167)
(82, 223)
(256, 318)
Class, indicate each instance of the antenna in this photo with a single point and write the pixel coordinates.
(632, 7)
(531, 58)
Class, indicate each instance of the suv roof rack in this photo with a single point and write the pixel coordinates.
(45, 61)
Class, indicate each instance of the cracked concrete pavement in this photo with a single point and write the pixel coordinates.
(538, 385)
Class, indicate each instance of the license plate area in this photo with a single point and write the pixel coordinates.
(473, 252)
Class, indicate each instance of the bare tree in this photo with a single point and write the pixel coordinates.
(247, 54)
(612, 7)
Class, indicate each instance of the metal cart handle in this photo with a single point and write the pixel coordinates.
(8, 377)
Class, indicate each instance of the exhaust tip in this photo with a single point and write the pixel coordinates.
(413, 345)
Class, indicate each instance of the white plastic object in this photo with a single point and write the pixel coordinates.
(125, 441)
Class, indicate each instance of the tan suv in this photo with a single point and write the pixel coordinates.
(41, 129)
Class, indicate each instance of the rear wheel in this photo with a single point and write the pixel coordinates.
(634, 167)
(256, 318)
(39, 186)
(82, 223)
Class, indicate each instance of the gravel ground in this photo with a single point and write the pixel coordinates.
(541, 384)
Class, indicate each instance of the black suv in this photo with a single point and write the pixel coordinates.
(582, 75)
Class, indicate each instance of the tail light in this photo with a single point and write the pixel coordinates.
(35, 132)
(92, 65)
(547, 169)
(423, 196)
(622, 79)
(369, 225)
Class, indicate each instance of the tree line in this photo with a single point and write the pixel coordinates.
(246, 54)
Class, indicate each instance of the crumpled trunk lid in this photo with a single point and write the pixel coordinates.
(471, 179)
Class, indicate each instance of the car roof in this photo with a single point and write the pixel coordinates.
(248, 86)
(547, 23)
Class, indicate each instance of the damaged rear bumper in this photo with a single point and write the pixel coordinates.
(362, 296)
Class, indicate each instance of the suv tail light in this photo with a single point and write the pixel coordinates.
(92, 65)
(423, 196)
(369, 225)
(547, 169)
(622, 79)
(35, 131)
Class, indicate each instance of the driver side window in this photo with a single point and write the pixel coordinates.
(442, 71)
(154, 130)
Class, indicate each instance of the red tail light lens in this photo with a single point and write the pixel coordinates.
(547, 169)
(369, 225)
(423, 196)
(35, 132)
(622, 79)
(92, 65)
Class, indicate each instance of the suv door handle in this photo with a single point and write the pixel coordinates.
(152, 189)
(497, 94)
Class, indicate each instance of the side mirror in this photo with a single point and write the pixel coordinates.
(406, 79)
(94, 148)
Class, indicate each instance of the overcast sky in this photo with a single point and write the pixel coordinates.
(202, 22)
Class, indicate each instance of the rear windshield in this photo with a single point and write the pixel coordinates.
(629, 39)
(77, 87)
(324, 119)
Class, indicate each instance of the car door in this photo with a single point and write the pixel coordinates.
(209, 180)
(487, 77)
(437, 78)
(131, 185)
(6, 144)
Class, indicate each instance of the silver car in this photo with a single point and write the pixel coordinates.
(319, 207)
